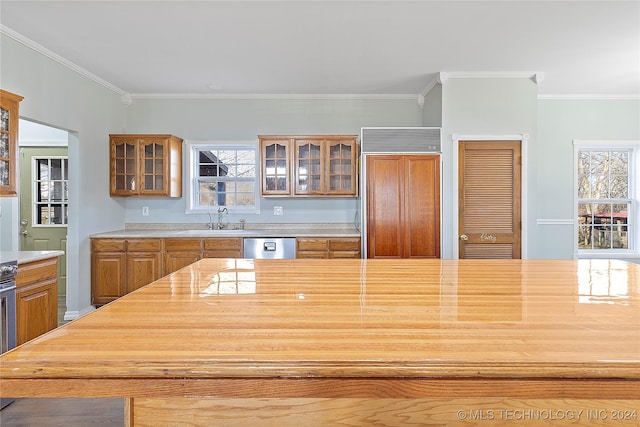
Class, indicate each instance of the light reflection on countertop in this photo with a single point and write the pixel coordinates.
(602, 281)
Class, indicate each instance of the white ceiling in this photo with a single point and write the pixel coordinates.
(582, 48)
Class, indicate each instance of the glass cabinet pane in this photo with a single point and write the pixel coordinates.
(275, 170)
(4, 119)
(4, 172)
(5, 150)
(309, 168)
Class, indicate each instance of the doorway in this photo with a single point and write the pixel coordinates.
(44, 193)
(489, 199)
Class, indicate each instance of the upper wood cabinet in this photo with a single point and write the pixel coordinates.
(146, 165)
(9, 106)
(309, 165)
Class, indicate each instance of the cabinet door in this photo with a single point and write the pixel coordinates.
(341, 173)
(403, 206)
(222, 248)
(154, 171)
(344, 248)
(124, 166)
(180, 252)
(36, 298)
(312, 248)
(34, 310)
(174, 261)
(275, 156)
(142, 269)
(108, 276)
(422, 207)
(308, 167)
(385, 199)
(9, 105)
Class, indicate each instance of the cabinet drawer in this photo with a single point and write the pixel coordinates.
(108, 245)
(218, 244)
(37, 271)
(345, 244)
(180, 244)
(312, 244)
(144, 245)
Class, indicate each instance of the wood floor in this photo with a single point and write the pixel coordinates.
(63, 412)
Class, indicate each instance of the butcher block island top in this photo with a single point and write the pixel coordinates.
(429, 340)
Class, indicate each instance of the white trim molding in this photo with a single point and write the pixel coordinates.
(545, 221)
(524, 139)
(535, 76)
(57, 58)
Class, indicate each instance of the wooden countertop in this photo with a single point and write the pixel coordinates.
(486, 320)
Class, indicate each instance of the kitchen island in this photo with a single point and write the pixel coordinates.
(357, 342)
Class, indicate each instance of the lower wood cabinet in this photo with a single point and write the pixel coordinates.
(180, 252)
(36, 299)
(119, 266)
(334, 247)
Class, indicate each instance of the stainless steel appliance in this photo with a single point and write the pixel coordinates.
(270, 248)
(8, 271)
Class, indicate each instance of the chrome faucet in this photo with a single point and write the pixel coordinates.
(220, 225)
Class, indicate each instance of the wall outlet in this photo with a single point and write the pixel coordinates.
(277, 210)
(145, 211)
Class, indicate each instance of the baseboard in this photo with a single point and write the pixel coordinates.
(75, 314)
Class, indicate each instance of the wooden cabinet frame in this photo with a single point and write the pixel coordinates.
(9, 102)
(331, 247)
(145, 165)
(36, 299)
(331, 171)
(119, 266)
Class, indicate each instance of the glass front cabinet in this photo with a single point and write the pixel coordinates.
(313, 165)
(9, 105)
(146, 165)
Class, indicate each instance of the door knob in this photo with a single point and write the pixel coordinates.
(464, 237)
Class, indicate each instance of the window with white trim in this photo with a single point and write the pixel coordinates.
(50, 191)
(607, 198)
(223, 175)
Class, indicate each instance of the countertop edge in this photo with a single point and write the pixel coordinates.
(24, 257)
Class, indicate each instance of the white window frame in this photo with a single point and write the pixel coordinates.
(64, 202)
(634, 195)
(193, 147)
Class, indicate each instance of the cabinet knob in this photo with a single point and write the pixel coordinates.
(464, 237)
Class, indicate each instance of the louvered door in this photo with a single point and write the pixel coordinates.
(489, 221)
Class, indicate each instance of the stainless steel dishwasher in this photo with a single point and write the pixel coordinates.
(270, 248)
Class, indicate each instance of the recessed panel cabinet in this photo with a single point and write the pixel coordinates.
(333, 247)
(309, 165)
(9, 105)
(403, 206)
(120, 266)
(146, 165)
(36, 299)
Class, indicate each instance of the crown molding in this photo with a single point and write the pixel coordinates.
(536, 76)
(275, 96)
(592, 96)
(57, 58)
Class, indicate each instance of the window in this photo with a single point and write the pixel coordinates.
(223, 175)
(50, 191)
(607, 198)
